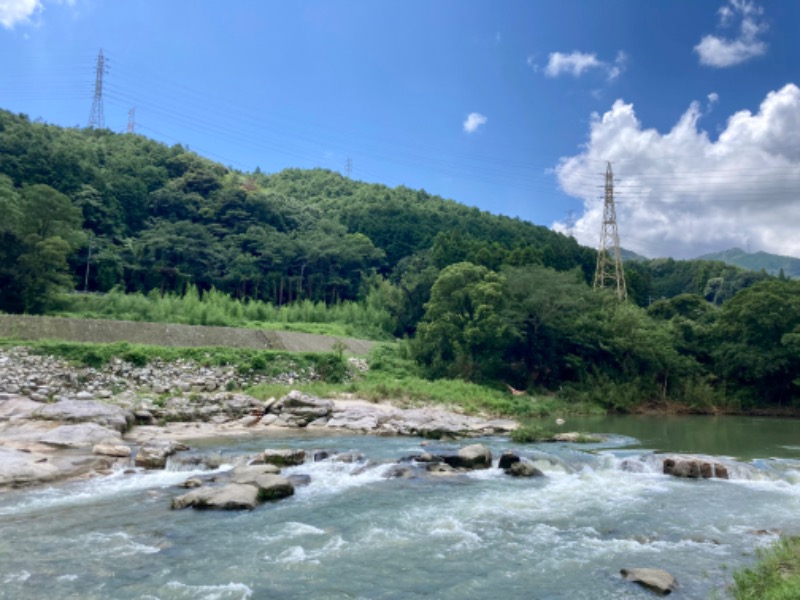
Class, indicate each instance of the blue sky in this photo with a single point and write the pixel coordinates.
(555, 88)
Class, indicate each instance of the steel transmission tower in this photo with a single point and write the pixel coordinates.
(132, 120)
(96, 118)
(609, 270)
(348, 167)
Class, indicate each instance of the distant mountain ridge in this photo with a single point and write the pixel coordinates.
(756, 261)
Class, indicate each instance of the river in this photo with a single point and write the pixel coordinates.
(353, 534)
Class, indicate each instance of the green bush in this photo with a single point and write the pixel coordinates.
(531, 433)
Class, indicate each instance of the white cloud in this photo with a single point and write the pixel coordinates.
(713, 98)
(474, 121)
(716, 51)
(682, 194)
(13, 12)
(577, 63)
(574, 64)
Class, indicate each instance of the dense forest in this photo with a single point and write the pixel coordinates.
(479, 296)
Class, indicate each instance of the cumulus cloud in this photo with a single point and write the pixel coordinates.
(577, 63)
(682, 194)
(720, 52)
(13, 12)
(474, 121)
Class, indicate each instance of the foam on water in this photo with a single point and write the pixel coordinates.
(99, 488)
(331, 477)
(115, 545)
(231, 591)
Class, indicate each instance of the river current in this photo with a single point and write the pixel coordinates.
(354, 534)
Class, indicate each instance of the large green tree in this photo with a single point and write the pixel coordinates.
(465, 329)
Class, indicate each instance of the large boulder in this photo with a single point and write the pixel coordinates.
(273, 487)
(507, 459)
(298, 410)
(234, 496)
(657, 580)
(81, 435)
(474, 456)
(154, 454)
(284, 457)
(86, 411)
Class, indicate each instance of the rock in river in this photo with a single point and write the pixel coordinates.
(284, 457)
(655, 579)
(523, 468)
(694, 468)
(475, 456)
(234, 496)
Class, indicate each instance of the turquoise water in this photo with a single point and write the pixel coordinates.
(353, 534)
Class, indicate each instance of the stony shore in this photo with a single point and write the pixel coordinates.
(59, 422)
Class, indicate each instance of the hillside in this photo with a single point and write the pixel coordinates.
(133, 213)
(757, 261)
(164, 235)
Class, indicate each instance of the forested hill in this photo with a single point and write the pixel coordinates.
(774, 264)
(146, 216)
(93, 210)
(482, 297)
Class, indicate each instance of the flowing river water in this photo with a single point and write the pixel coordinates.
(354, 534)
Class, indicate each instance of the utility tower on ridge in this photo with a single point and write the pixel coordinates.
(132, 120)
(348, 167)
(609, 270)
(96, 118)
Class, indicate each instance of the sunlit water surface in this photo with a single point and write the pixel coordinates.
(352, 533)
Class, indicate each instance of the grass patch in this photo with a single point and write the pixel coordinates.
(364, 319)
(395, 377)
(531, 433)
(776, 576)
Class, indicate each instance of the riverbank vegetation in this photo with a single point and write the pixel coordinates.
(776, 576)
(98, 224)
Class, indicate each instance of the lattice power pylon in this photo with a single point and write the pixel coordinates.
(609, 272)
(96, 118)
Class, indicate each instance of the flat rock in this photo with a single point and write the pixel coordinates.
(14, 407)
(657, 580)
(234, 496)
(284, 457)
(114, 450)
(81, 435)
(19, 468)
(86, 411)
(249, 474)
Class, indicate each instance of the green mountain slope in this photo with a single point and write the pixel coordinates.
(756, 261)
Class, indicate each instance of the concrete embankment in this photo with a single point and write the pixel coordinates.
(23, 327)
